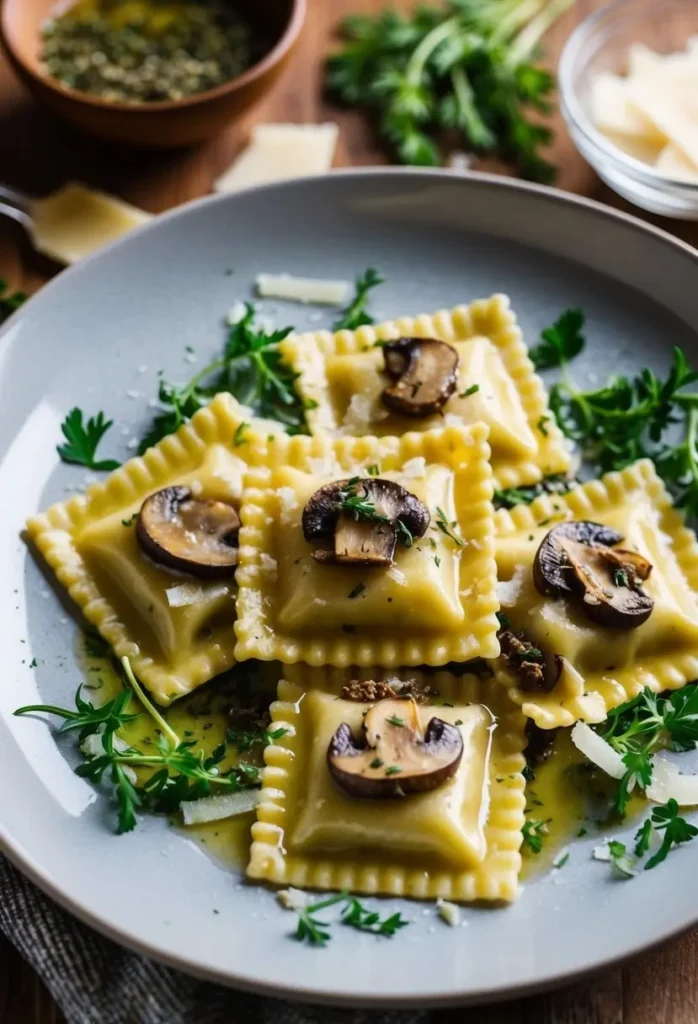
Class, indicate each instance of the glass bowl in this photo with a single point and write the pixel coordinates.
(602, 43)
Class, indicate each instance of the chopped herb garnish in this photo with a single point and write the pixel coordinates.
(358, 589)
(395, 720)
(373, 470)
(354, 914)
(620, 578)
(449, 529)
(473, 389)
(356, 315)
(437, 561)
(667, 820)
(621, 862)
(394, 769)
(376, 763)
(82, 440)
(642, 838)
(130, 521)
(541, 424)
(561, 342)
(511, 496)
(582, 832)
(251, 368)
(534, 832)
(239, 436)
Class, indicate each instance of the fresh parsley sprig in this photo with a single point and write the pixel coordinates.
(361, 507)
(644, 725)
(177, 772)
(82, 439)
(251, 368)
(464, 69)
(628, 418)
(356, 314)
(317, 933)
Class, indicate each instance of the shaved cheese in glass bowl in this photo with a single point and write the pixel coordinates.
(631, 108)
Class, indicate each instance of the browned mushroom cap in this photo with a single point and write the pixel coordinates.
(182, 533)
(360, 521)
(394, 756)
(425, 372)
(578, 560)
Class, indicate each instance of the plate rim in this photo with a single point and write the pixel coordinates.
(24, 861)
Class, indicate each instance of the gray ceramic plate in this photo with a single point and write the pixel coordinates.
(85, 339)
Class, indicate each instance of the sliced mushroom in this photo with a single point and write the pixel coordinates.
(360, 521)
(394, 756)
(425, 373)
(192, 536)
(579, 560)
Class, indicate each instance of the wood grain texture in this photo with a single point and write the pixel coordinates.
(37, 155)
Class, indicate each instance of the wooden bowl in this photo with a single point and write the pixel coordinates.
(151, 125)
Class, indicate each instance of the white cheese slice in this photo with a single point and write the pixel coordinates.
(671, 103)
(302, 289)
(278, 152)
(674, 163)
(76, 221)
(614, 112)
(217, 808)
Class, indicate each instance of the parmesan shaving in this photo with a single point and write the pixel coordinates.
(217, 808)
(278, 152)
(652, 113)
(194, 593)
(415, 467)
(598, 751)
(668, 783)
(302, 289)
(448, 912)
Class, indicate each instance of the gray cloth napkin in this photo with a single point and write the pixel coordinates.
(94, 981)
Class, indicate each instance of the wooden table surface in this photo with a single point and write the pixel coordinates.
(38, 154)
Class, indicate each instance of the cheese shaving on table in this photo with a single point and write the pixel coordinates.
(278, 152)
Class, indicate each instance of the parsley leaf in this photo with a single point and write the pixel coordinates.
(638, 775)
(666, 819)
(642, 838)
(82, 440)
(448, 529)
(358, 916)
(317, 933)
(355, 315)
(622, 864)
(561, 342)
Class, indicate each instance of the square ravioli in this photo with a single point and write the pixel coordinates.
(604, 665)
(343, 375)
(177, 630)
(460, 840)
(434, 604)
